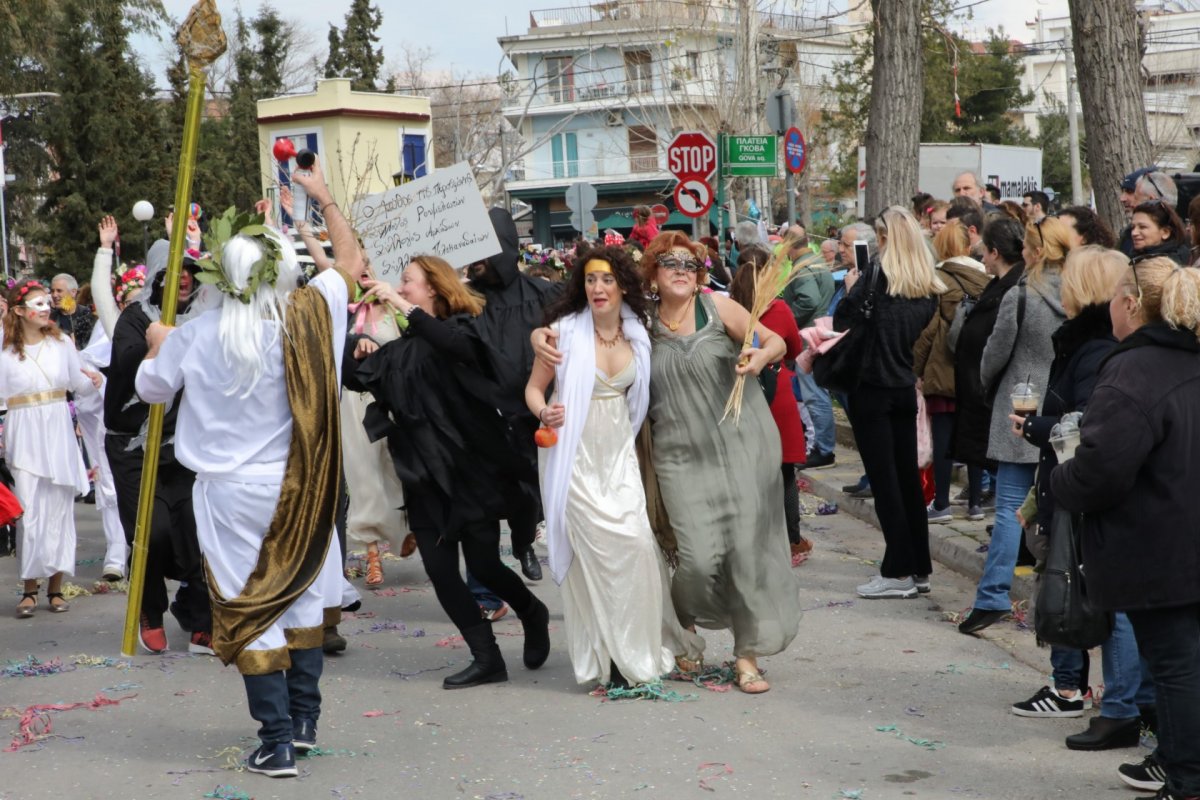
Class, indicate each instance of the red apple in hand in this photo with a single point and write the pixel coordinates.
(545, 437)
(284, 150)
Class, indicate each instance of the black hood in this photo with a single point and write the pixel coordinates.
(1158, 334)
(501, 268)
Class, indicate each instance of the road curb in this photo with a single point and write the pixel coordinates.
(955, 545)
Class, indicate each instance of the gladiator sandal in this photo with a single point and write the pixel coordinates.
(24, 611)
(374, 569)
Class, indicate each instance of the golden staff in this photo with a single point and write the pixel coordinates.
(202, 40)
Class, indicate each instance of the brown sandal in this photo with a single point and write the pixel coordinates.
(374, 569)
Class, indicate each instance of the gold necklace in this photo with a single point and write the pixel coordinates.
(610, 343)
(674, 326)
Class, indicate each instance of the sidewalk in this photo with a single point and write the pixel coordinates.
(959, 545)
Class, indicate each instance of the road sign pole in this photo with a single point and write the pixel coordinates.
(720, 197)
(790, 188)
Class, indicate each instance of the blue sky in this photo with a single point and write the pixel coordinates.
(462, 33)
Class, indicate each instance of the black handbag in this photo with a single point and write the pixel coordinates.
(1063, 614)
(840, 369)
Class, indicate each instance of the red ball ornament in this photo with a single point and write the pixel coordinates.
(284, 150)
(545, 437)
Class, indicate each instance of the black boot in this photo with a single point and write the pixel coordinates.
(488, 666)
(536, 621)
(1104, 733)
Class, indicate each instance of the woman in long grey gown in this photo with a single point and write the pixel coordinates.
(717, 480)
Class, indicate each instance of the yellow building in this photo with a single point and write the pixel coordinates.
(367, 141)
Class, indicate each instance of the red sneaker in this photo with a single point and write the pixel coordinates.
(153, 640)
(201, 644)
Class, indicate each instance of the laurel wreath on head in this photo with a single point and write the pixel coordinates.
(221, 230)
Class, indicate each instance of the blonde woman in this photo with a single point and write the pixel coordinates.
(934, 365)
(899, 291)
(1019, 350)
(1134, 478)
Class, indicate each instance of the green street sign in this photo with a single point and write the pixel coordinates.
(750, 156)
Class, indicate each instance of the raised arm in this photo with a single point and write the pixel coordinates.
(106, 304)
(348, 257)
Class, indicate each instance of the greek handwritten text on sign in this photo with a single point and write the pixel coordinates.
(441, 214)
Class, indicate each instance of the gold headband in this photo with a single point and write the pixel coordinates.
(597, 265)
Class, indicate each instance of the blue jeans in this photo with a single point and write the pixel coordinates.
(483, 595)
(279, 697)
(1127, 682)
(1013, 482)
(820, 408)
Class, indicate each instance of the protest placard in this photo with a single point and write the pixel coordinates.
(441, 214)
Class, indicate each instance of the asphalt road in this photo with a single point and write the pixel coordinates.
(941, 699)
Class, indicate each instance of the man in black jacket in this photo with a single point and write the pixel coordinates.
(173, 549)
(515, 306)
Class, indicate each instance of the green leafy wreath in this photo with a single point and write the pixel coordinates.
(220, 231)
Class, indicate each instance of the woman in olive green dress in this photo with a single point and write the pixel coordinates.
(718, 480)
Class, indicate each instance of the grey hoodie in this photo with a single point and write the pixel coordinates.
(1032, 353)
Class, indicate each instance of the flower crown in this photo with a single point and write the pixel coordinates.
(130, 281)
(220, 231)
(25, 289)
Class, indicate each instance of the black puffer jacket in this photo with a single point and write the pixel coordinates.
(1179, 252)
(1080, 345)
(973, 410)
(1135, 474)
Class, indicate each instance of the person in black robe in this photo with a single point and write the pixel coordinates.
(174, 552)
(515, 307)
(437, 391)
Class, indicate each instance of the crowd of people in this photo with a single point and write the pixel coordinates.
(405, 417)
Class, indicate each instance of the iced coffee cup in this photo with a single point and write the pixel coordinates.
(1025, 399)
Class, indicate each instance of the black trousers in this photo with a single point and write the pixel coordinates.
(525, 511)
(174, 551)
(942, 427)
(791, 503)
(1169, 640)
(885, 428)
(279, 698)
(480, 544)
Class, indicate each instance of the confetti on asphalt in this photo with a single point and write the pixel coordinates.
(827, 509)
(453, 640)
(388, 592)
(228, 793)
(181, 773)
(716, 769)
(831, 604)
(113, 587)
(504, 796)
(397, 627)
(641, 691)
(928, 744)
(71, 590)
(35, 724)
(913, 711)
(378, 713)
(87, 562)
(33, 667)
(84, 660)
(850, 794)
(122, 687)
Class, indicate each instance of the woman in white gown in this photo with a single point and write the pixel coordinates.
(620, 623)
(38, 366)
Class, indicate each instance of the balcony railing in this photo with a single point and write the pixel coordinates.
(658, 13)
(584, 168)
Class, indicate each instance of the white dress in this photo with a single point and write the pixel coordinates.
(42, 452)
(89, 412)
(238, 448)
(373, 487)
(615, 602)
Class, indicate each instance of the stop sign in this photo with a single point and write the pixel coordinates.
(692, 154)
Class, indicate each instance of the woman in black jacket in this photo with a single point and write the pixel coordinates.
(1080, 345)
(902, 288)
(1156, 230)
(1134, 478)
(1003, 238)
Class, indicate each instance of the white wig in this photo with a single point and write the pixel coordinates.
(250, 332)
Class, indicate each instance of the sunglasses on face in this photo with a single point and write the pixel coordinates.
(677, 264)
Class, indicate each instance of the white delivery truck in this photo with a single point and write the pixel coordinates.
(1015, 170)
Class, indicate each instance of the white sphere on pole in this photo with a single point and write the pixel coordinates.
(143, 211)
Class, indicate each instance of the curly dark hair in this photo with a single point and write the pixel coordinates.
(1164, 217)
(1090, 227)
(629, 279)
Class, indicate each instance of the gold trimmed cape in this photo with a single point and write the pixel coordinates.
(294, 548)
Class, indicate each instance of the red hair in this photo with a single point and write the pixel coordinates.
(666, 242)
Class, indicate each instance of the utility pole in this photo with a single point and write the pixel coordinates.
(1077, 197)
(503, 187)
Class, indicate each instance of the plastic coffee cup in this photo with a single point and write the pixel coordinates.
(1025, 399)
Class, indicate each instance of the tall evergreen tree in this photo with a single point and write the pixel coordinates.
(242, 148)
(272, 46)
(354, 54)
(104, 135)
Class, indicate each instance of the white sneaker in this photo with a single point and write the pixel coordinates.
(879, 588)
(113, 572)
